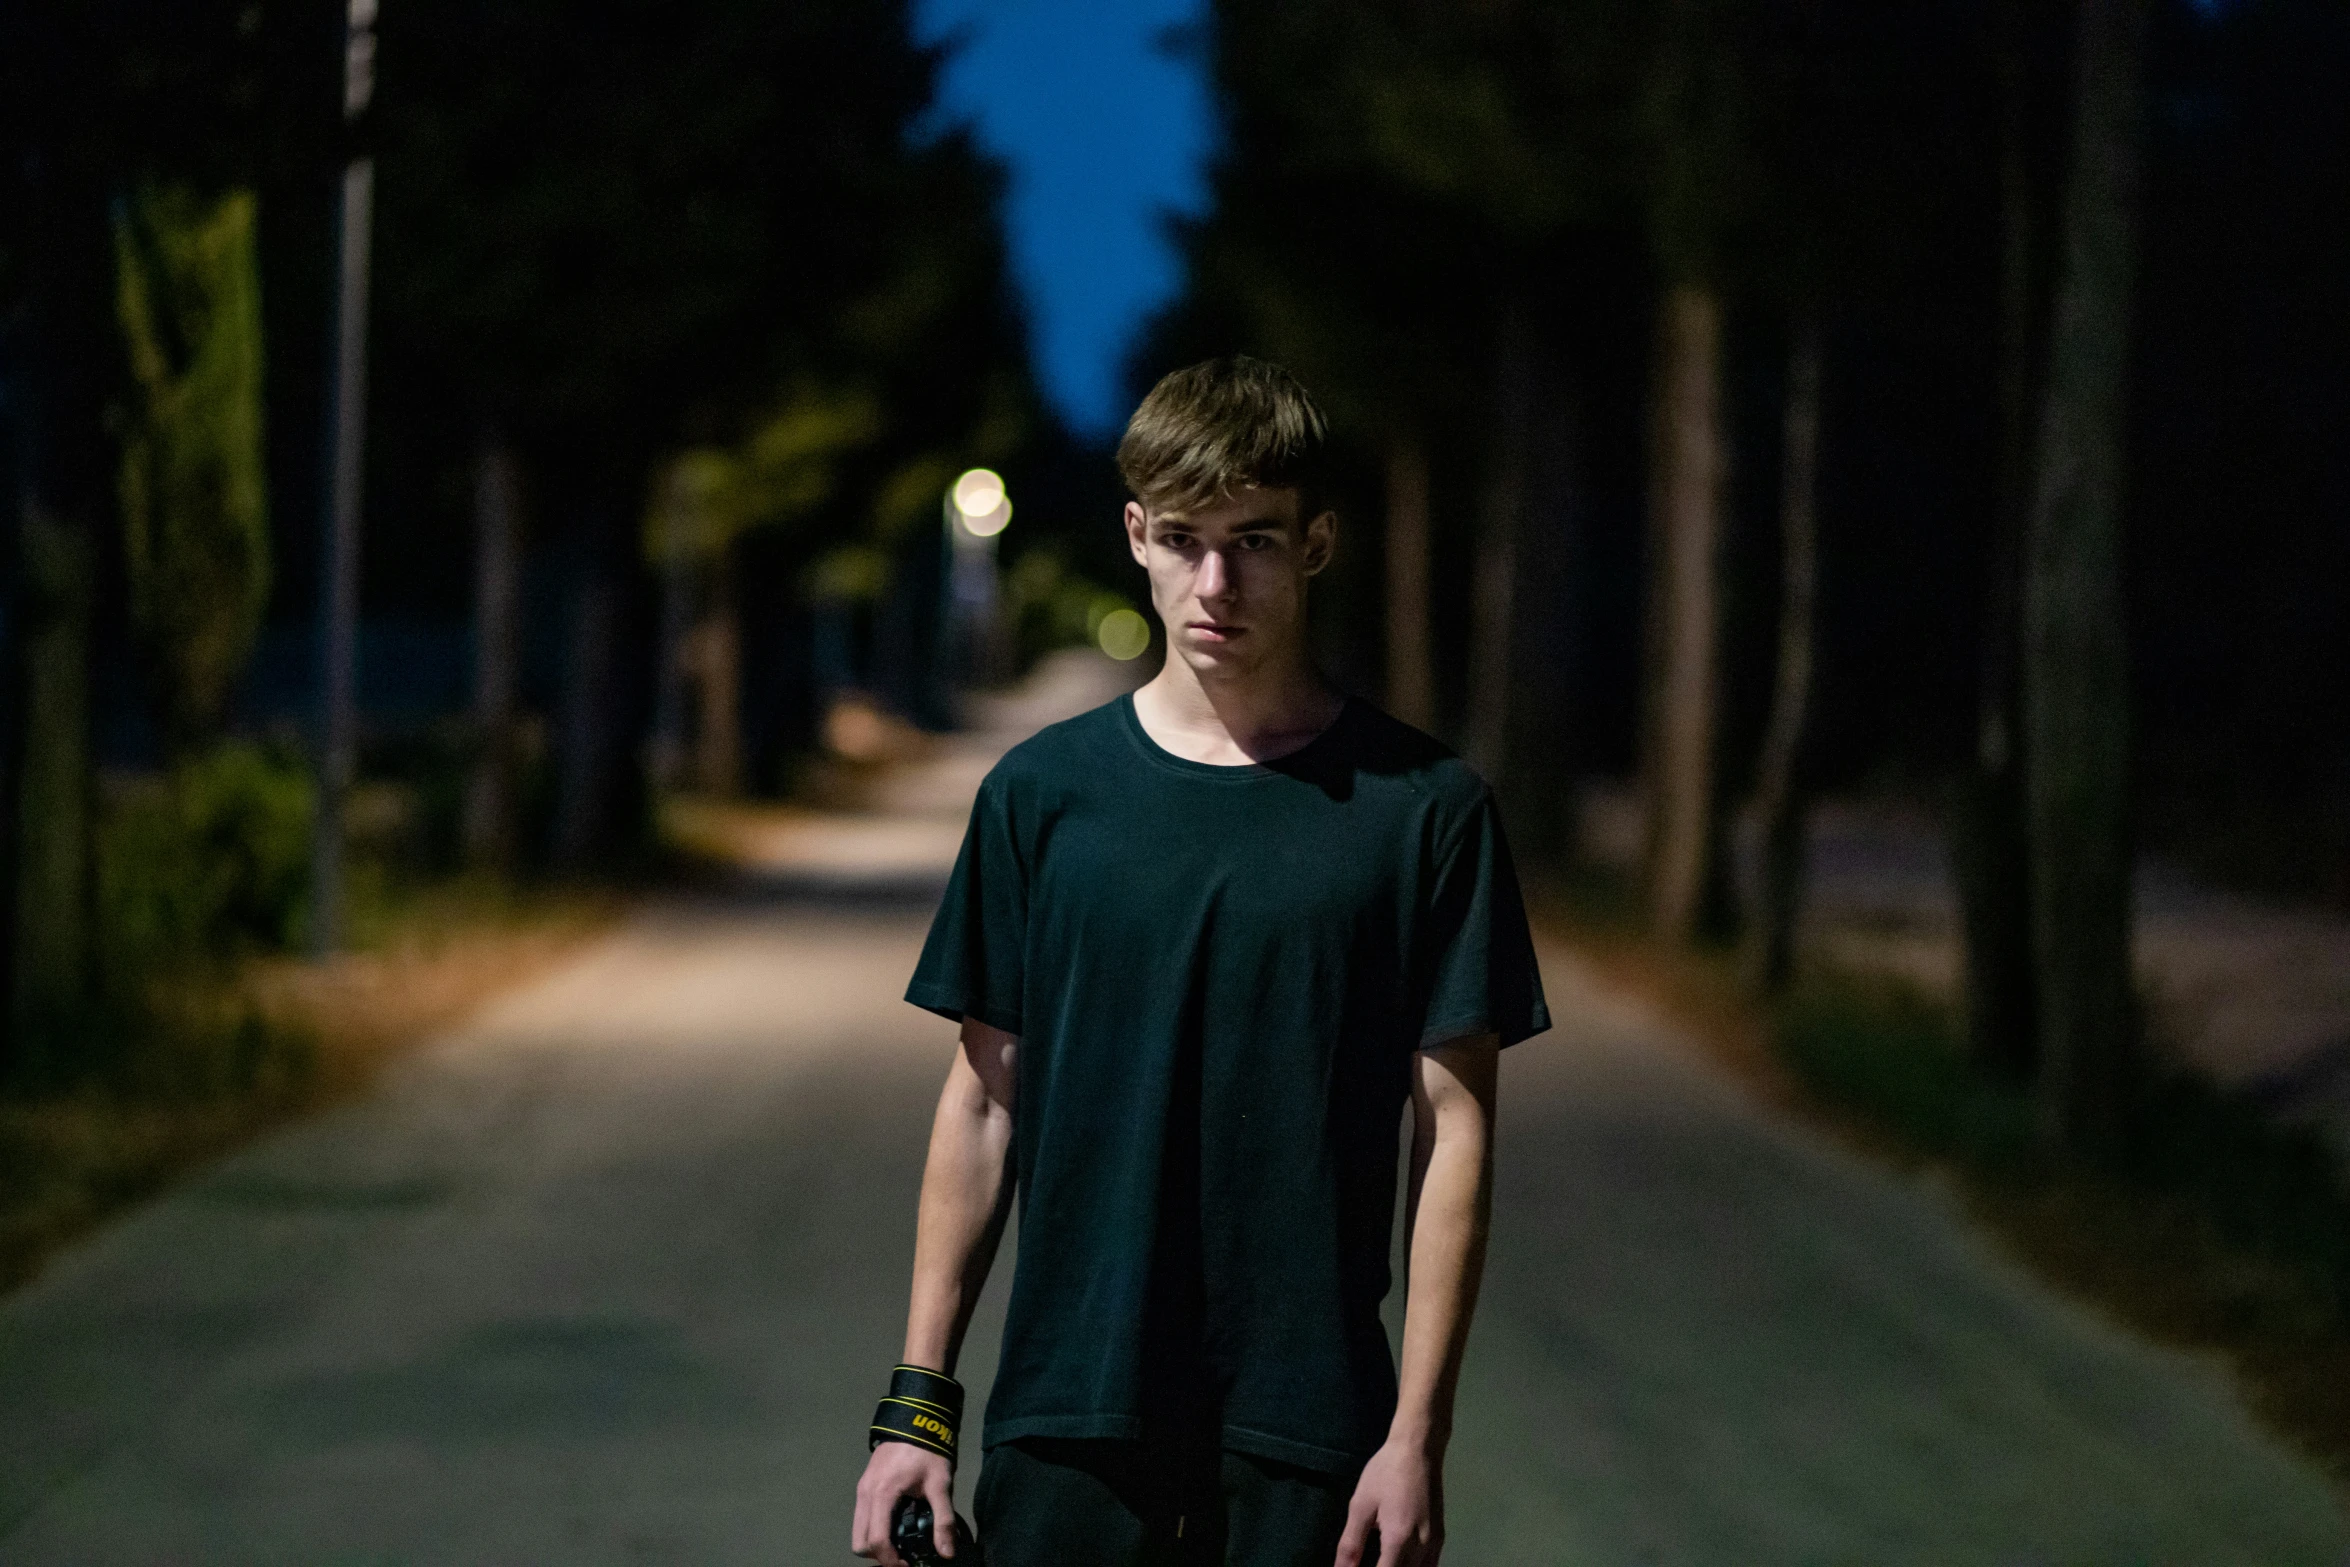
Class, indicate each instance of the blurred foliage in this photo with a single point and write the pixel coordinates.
(196, 869)
(735, 241)
(195, 495)
(784, 469)
(1052, 606)
(848, 574)
(722, 266)
(607, 233)
(1394, 174)
(913, 497)
(205, 862)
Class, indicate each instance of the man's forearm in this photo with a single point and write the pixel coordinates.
(1451, 1197)
(1397, 1513)
(966, 1192)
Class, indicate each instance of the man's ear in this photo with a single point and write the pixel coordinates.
(1321, 542)
(1138, 532)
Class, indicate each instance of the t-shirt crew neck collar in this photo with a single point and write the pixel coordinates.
(1223, 772)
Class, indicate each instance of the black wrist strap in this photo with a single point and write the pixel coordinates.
(923, 1408)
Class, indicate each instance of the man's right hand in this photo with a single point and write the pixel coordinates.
(896, 1471)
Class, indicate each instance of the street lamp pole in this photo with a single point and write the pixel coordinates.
(346, 434)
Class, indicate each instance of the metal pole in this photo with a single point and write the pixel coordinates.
(338, 596)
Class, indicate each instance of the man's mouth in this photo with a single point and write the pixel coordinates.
(1214, 631)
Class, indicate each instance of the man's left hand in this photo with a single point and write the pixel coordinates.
(1399, 1501)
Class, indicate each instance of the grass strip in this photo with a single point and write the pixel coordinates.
(214, 1059)
(2219, 1230)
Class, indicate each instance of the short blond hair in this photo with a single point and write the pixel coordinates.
(1210, 429)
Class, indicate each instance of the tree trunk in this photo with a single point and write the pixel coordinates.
(2075, 668)
(52, 952)
(1780, 796)
(1545, 740)
(59, 468)
(1493, 602)
(1684, 837)
(1987, 844)
(1992, 864)
(20, 452)
(489, 798)
(718, 744)
(1411, 670)
(584, 807)
(674, 643)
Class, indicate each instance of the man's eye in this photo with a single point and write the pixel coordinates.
(1256, 541)
(1176, 541)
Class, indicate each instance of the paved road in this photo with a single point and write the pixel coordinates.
(610, 1275)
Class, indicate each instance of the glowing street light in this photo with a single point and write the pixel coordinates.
(979, 492)
(980, 503)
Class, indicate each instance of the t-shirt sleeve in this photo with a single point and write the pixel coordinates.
(1482, 977)
(972, 964)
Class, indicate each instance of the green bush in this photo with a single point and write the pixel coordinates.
(208, 861)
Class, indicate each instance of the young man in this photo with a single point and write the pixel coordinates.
(1204, 944)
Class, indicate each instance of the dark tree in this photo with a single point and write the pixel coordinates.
(2075, 660)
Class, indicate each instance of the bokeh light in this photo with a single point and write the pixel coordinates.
(1123, 635)
(981, 504)
(979, 492)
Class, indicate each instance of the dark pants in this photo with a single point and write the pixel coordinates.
(1048, 1503)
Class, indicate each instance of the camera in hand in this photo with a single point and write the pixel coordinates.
(913, 1537)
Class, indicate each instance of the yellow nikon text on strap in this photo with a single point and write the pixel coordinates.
(922, 1407)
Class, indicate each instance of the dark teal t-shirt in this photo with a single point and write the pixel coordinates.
(1218, 976)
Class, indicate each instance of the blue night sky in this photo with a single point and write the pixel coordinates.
(1102, 132)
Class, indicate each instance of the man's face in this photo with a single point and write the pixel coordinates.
(1229, 580)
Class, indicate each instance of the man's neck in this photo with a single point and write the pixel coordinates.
(1259, 716)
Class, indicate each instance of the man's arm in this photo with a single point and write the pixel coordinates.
(1448, 1207)
(966, 1196)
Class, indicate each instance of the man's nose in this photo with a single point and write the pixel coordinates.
(1215, 574)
